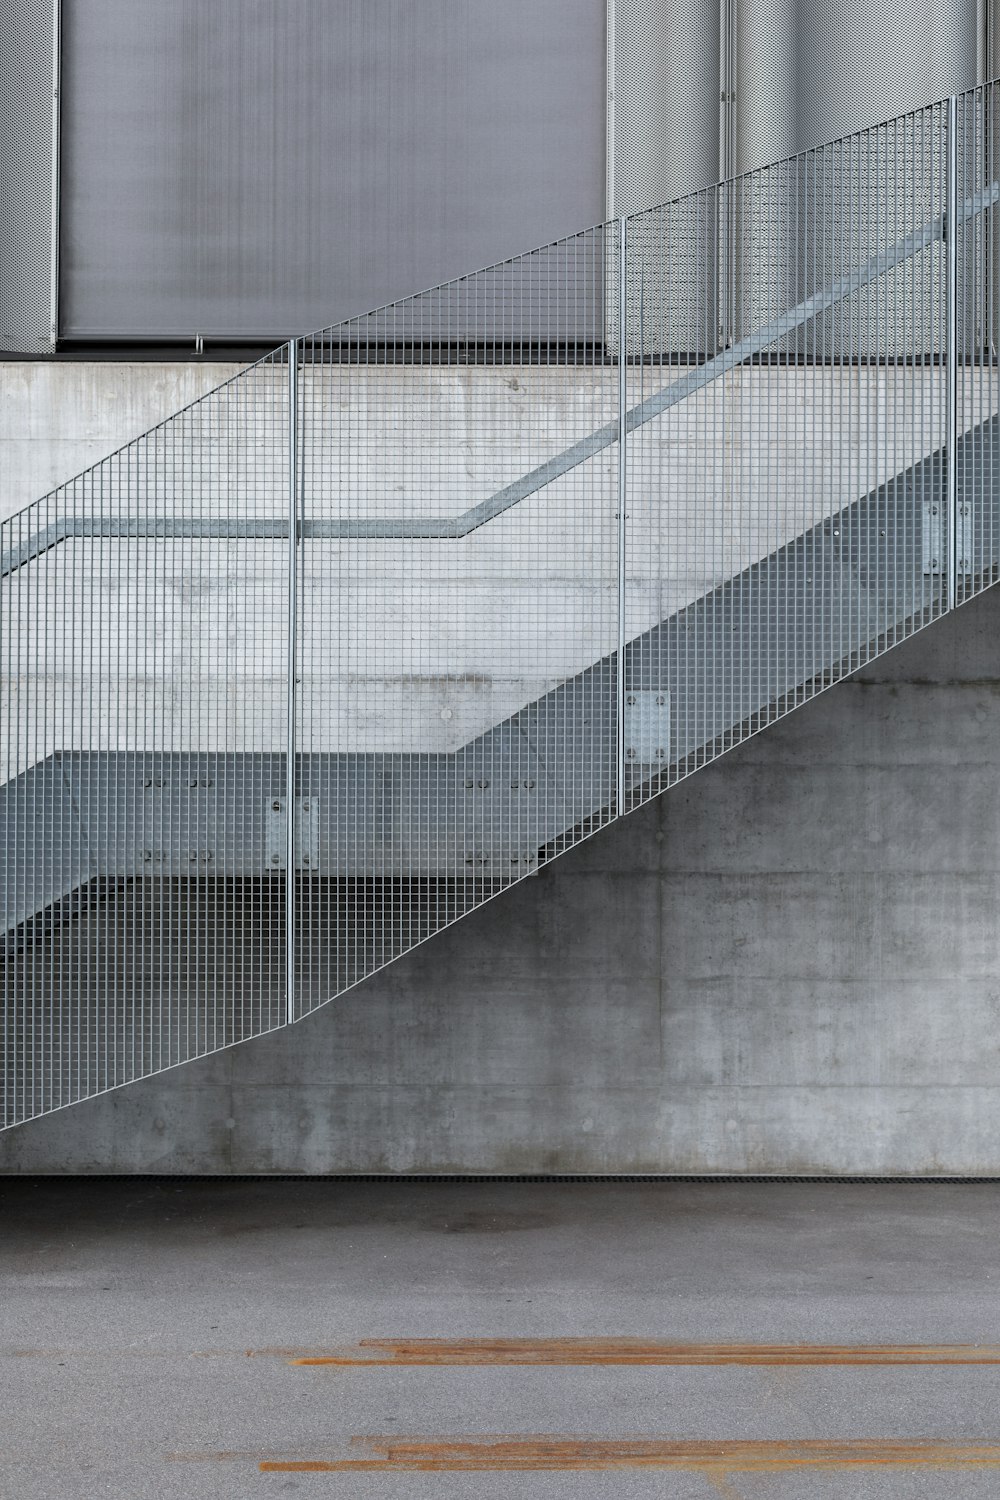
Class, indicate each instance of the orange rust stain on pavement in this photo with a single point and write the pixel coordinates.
(512, 1453)
(639, 1352)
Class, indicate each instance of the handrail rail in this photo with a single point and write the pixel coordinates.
(452, 528)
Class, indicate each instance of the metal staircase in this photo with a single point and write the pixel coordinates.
(465, 579)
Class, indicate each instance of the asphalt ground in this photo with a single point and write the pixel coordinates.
(602, 1339)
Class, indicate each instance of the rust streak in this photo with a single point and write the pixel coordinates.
(568, 1351)
(709, 1458)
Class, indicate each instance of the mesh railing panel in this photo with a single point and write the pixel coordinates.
(457, 695)
(777, 514)
(331, 658)
(976, 379)
(144, 686)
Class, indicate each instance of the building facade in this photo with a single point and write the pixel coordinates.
(787, 963)
(242, 172)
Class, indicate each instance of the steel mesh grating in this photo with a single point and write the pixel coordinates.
(374, 631)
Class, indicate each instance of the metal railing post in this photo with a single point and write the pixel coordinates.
(622, 494)
(950, 352)
(293, 545)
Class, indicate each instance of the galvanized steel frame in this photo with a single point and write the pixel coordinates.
(667, 689)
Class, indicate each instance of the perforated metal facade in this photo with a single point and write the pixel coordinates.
(27, 173)
(809, 74)
(704, 90)
(728, 86)
(665, 135)
(230, 175)
(252, 169)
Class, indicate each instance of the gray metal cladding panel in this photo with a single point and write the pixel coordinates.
(252, 168)
(666, 100)
(556, 293)
(666, 145)
(808, 73)
(26, 174)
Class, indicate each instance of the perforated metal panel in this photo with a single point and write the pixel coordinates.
(810, 74)
(700, 87)
(27, 173)
(665, 143)
(253, 169)
(665, 100)
(806, 75)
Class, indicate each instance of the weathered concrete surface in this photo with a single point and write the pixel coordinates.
(790, 963)
(58, 418)
(480, 423)
(405, 646)
(129, 1310)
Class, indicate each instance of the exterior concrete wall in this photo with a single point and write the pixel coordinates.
(790, 963)
(58, 418)
(434, 642)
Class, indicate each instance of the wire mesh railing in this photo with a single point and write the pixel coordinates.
(403, 611)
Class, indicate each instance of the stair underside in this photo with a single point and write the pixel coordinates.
(729, 662)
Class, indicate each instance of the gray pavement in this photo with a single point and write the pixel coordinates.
(146, 1327)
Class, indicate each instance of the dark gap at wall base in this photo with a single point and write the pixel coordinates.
(526, 1180)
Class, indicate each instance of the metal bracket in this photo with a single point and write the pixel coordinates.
(963, 537)
(306, 834)
(933, 537)
(647, 727)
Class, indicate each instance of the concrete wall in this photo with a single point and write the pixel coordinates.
(432, 643)
(790, 963)
(56, 419)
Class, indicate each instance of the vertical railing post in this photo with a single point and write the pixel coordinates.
(951, 350)
(622, 496)
(293, 548)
